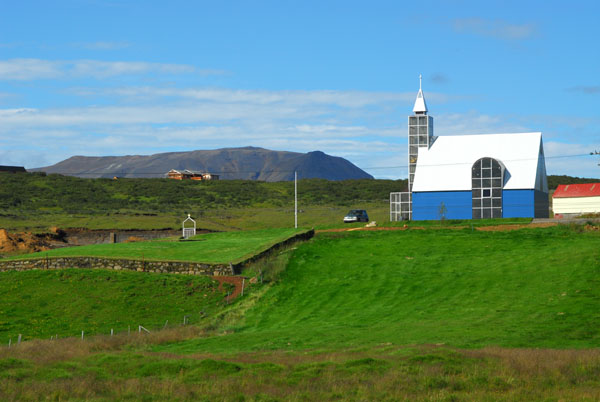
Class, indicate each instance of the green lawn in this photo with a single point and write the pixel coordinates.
(41, 304)
(524, 288)
(221, 247)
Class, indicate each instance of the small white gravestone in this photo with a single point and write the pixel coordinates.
(189, 231)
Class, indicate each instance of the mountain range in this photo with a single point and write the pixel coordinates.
(248, 163)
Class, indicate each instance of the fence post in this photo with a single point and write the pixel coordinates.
(243, 282)
(111, 332)
(19, 339)
(166, 322)
(9, 342)
(82, 335)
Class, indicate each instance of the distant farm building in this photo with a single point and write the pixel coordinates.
(571, 200)
(12, 169)
(470, 176)
(189, 175)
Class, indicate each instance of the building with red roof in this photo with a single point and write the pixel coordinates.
(576, 199)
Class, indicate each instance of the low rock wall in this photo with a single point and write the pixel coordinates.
(175, 267)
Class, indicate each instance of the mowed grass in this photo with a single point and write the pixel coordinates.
(221, 247)
(523, 288)
(65, 302)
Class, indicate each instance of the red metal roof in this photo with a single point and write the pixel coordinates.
(577, 190)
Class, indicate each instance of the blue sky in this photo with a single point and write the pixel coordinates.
(118, 77)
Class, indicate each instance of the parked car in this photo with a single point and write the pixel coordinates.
(356, 215)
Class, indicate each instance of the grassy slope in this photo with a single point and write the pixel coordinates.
(65, 302)
(210, 248)
(535, 287)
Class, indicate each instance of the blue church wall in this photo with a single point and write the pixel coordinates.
(458, 204)
(524, 204)
(518, 203)
(426, 206)
(542, 204)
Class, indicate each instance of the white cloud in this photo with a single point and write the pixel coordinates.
(28, 69)
(497, 29)
(476, 123)
(350, 99)
(103, 45)
(36, 69)
(571, 159)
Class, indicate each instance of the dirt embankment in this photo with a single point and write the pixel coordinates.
(238, 281)
(29, 242)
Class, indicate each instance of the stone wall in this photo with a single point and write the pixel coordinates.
(175, 267)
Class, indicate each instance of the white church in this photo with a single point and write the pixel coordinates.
(470, 176)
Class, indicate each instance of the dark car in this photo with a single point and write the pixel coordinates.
(356, 215)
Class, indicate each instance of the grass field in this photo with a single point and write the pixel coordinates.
(420, 314)
(221, 247)
(65, 302)
(523, 288)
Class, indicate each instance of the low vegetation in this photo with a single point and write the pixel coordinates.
(223, 247)
(56, 193)
(118, 369)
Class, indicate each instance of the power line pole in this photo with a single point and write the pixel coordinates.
(295, 200)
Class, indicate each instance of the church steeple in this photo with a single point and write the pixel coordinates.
(420, 132)
(420, 105)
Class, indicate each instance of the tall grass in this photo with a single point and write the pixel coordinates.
(120, 368)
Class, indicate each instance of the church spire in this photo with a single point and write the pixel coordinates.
(420, 105)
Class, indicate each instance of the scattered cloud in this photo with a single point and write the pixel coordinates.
(475, 123)
(345, 99)
(585, 89)
(102, 45)
(368, 128)
(497, 29)
(570, 159)
(439, 78)
(36, 69)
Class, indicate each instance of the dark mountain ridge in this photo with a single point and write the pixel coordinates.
(247, 163)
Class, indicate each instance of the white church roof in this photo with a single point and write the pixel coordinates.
(446, 165)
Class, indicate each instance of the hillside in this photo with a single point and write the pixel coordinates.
(521, 288)
(248, 163)
(31, 193)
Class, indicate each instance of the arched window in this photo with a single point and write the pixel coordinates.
(487, 176)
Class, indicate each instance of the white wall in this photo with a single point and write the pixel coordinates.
(576, 205)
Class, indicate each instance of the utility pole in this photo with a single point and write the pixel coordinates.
(295, 199)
